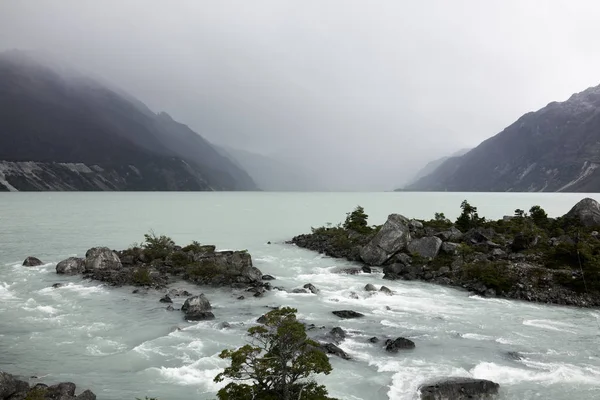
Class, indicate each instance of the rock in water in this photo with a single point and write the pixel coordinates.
(460, 389)
(337, 334)
(70, 266)
(587, 211)
(331, 348)
(369, 287)
(311, 288)
(393, 346)
(391, 238)
(197, 308)
(348, 314)
(386, 290)
(427, 247)
(101, 258)
(32, 262)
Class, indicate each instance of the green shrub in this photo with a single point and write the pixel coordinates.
(494, 275)
(469, 218)
(36, 394)
(195, 247)
(357, 221)
(157, 246)
(142, 277)
(203, 269)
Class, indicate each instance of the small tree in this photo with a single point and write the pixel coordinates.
(357, 221)
(277, 364)
(539, 216)
(520, 213)
(469, 218)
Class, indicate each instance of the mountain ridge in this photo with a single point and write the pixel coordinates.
(553, 149)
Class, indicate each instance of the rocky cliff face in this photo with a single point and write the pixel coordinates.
(555, 149)
(62, 131)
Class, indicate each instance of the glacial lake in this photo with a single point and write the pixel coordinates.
(123, 345)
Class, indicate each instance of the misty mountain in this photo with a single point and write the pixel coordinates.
(431, 166)
(555, 149)
(273, 174)
(65, 131)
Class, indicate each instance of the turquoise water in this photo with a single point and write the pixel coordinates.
(122, 345)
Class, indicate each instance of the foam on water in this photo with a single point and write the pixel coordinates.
(550, 325)
(5, 293)
(539, 372)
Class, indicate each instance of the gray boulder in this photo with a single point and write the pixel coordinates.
(197, 308)
(101, 258)
(8, 385)
(587, 211)
(337, 334)
(451, 235)
(460, 389)
(32, 262)
(427, 247)
(386, 290)
(450, 248)
(391, 238)
(311, 288)
(414, 225)
(227, 267)
(346, 314)
(71, 266)
(369, 287)
(331, 348)
(394, 346)
(86, 395)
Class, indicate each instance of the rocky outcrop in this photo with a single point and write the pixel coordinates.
(32, 262)
(71, 266)
(427, 247)
(587, 211)
(330, 348)
(337, 334)
(311, 288)
(153, 266)
(460, 389)
(391, 238)
(12, 388)
(197, 308)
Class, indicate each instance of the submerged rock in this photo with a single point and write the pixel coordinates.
(386, 290)
(166, 299)
(460, 389)
(311, 288)
(393, 346)
(337, 334)
(346, 314)
(32, 262)
(369, 287)
(391, 238)
(70, 266)
(331, 348)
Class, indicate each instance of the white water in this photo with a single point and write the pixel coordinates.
(122, 345)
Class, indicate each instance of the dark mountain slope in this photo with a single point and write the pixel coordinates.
(48, 117)
(556, 148)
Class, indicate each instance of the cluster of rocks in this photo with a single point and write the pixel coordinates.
(481, 260)
(139, 267)
(12, 388)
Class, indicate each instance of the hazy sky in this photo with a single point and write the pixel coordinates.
(364, 92)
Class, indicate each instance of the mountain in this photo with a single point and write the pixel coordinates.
(554, 149)
(273, 174)
(431, 166)
(65, 131)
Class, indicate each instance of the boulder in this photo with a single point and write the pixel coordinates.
(32, 262)
(101, 258)
(331, 348)
(369, 287)
(478, 235)
(337, 334)
(450, 248)
(63, 389)
(300, 290)
(451, 235)
(311, 288)
(223, 268)
(346, 314)
(71, 266)
(374, 339)
(267, 277)
(391, 238)
(415, 224)
(166, 299)
(386, 290)
(393, 346)
(197, 308)
(86, 395)
(366, 269)
(459, 389)
(57, 285)
(587, 211)
(427, 247)
(8, 385)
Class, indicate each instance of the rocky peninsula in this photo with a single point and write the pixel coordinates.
(13, 388)
(525, 256)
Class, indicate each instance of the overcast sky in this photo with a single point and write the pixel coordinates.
(364, 92)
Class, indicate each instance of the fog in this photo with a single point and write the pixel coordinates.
(360, 93)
